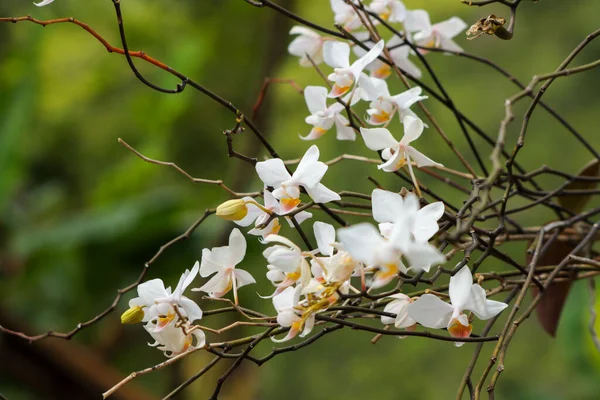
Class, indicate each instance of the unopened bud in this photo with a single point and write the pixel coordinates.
(233, 210)
(133, 315)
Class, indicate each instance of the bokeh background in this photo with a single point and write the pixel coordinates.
(79, 214)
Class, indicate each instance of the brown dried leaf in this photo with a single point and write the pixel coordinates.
(577, 203)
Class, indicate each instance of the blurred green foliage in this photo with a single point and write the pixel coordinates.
(79, 214)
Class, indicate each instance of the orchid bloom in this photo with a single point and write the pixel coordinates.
(366, 245)
(159, 302)
(399, 306)
(287, 306)
(222, 261)
(438, 35)
(399, 53)
(43, 3)
(389, 207)
(333, 268)
(323, 117)
(308, 45)
(432, 312)
(308, 174)
(345, 15)
(259, 217)
(383, 106)
(344, 76)
(389, 10)
(397, 154)
(173, 341)
(287, 263)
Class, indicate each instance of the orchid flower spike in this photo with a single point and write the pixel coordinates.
(345, 15)
(308, 174)
(259, 217)
(438, 35)
(397, 154)
(432, 312)
(308, 45)
(389, 10)
(383, 106)
(399, 53)
(173, 341)
(157, 303)
(344, 76)
(221, 261)
(323, 117)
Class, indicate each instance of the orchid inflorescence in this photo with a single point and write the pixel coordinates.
(353, 263)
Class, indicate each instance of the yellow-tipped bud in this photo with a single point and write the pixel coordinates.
(233, 210)
(133, 315)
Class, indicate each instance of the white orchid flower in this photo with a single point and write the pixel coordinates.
(390, 207)
(389, 10)
(221, 261)
(366, 245)
(399, 53)
(345, 15)
(158, 303)
(287, 264)
(259, 217)
(438, 35)
(323, 117)
(43, 3)
(308, 174)
(383, 106)
(173, 341)
(432, 312)
(333, 268)
(307, 44)
(398, 306)
(344, 76)
(397, 154)
(287, 306)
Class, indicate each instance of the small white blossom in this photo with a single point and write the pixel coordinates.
(221, 261)
(323, 117)
(344, 76)
(383, 105)
(345, 15)
(432, 312)
(438, 35)
(307, 44)
(173, 341)
(397, 154)
(389, 10)
(398, 306)
(308, 174)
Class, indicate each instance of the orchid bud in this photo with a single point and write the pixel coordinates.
(133, 315)
(233, 210)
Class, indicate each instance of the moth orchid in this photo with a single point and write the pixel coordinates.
(323, 117)
(260, 217)
(173, 341)
(287, 306)
(432, 312)
(308, 174)
(384, 106)
(333, 268)
(397, 154)
(287, 263)
(345, 15)
(157, 303)
(308, 45)
(438, 35)
(389, 10)
(390, 207)
(398, 306)
(399, 53)
(344, 76)
(221, 261)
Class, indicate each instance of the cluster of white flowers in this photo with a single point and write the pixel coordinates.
(356, 258)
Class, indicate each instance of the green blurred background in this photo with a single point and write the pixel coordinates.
(79, 214)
